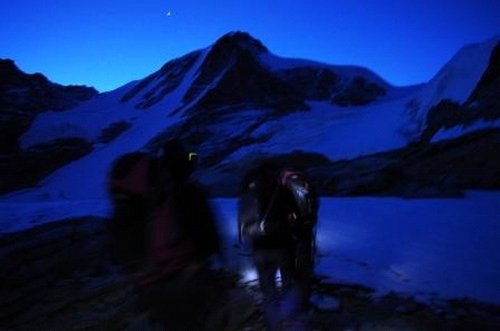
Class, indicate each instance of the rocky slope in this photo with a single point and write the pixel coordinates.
(59, 276)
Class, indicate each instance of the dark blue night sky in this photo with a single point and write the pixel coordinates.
(107, 43)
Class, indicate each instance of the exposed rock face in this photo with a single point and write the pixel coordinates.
(358, 92)
(23, 96)
(224, 54)
(446, 114)
(246, 82)
(34, 92)
(157, 85)
(490, 80)
(323, 84)
(113, 131)
(312, 83)
(22, 170)
(232, 76)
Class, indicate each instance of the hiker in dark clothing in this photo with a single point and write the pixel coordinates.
(262, 198)
(175, 283)
(270, 221)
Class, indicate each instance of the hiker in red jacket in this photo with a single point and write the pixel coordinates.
(174, 282)
(183, 237)
(129, 189)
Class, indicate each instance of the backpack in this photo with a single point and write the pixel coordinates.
(285, 205)
(129, 188)
(278, 209)
(257, 206)
(130, 176)
(303, 195)
(303, 219)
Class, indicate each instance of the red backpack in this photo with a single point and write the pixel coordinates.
(129, 189)
(130, 176)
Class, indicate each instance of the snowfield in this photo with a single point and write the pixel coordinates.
(430, 248)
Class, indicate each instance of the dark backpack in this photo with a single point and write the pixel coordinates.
(258, 210)
(278, 209)
(303, 194)
(274, 204)
(302, 219)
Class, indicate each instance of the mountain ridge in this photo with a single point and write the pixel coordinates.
(235, 103)
(23, 96)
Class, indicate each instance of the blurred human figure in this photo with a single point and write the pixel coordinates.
(130, 191)
(174, 282)
(277, 213)
(183, 237)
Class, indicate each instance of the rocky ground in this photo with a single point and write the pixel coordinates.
(59, 277)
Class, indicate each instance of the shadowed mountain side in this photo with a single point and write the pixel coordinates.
(490, 78)
(234, 74)
(26, 169)
(482, 104)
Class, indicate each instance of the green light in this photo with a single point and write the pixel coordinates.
(191, 155)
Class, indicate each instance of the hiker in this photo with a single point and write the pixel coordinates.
(129, 189)
(177, 287)
(174, 283)
(277, 214)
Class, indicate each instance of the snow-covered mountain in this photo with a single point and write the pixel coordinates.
(235, 102)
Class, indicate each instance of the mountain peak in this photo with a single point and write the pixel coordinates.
(7, 64)
(241, 40)
(10, 75)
